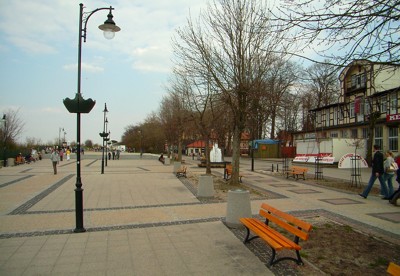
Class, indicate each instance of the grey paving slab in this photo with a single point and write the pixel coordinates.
(142, 220)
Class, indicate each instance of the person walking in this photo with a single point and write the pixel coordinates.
(396, 195)
(68, 153)
(388, 175)
(54, 157)
(61, 154)
(377, 172)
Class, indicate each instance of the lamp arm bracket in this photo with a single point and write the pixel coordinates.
(84, 17)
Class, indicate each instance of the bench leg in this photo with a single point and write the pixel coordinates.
(247, 238)
(298, 260)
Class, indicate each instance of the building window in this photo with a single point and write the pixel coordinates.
(393, 103)
(366, 107)
(351, 111)
(383, 104)
(340, 113)
(328, 117)
(393, 138)
(379, 136)
(344, 133)
(358, 81)
(318, 118)
(334, 134)
(354, 133)
(365, 133)
(335, 116)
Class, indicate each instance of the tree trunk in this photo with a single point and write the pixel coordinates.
(235, 155)
(207, 153)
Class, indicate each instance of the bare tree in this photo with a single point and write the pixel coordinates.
(228, 45)
(278, 82)
(322, 83)
(344, 30)
(12, 128)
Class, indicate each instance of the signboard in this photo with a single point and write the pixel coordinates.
(311, 159)
(348, 159)
(393, 118)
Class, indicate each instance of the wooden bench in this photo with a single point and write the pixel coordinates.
(393, 269)
(228, 173)
(277, 241)
(181, 172)
(296, 171)
(19, 160)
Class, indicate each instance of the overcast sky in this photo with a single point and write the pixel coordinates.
(38, 52)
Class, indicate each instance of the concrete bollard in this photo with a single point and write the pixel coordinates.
(238, 206)
(206, 186)
(10, 162)
(167, 161)
(177, 166)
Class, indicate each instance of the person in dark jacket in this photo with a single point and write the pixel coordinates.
(377, 172)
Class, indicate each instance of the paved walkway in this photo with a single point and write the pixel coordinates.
(141, 220)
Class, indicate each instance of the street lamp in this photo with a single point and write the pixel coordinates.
(78, 105)
(103, 135)
(106, 140)
(59, 136)
(4, 120)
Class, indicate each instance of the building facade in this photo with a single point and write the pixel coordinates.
(368, 107)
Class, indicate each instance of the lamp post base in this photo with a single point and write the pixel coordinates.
(79, 211)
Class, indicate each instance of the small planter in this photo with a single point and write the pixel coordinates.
(206, 186)
(238, 206)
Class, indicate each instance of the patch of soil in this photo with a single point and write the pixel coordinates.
(333, 248)
(339, 249)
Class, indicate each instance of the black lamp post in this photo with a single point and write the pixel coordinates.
(59, 136)
(78, 105)
(106, 140)
(103, 135)
(5, 140)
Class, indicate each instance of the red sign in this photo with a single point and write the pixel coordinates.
(393, 118)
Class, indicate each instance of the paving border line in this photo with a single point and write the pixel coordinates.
(109, 228)
(15, 181)
(114, 208)
(22, 209)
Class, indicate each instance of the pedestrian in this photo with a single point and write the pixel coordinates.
(109, 155)
(161, 158)
(54, 157)
(61, 154)
(68, 153)
(396, 195)
(377, 172)
(388, 175)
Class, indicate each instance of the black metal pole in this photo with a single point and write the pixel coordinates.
(78, 190)
(106, 142)
(104, 131)
(5, 141)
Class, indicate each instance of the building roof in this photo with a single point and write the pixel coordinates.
(197, 144)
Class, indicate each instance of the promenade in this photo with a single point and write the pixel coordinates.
(142, 220)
